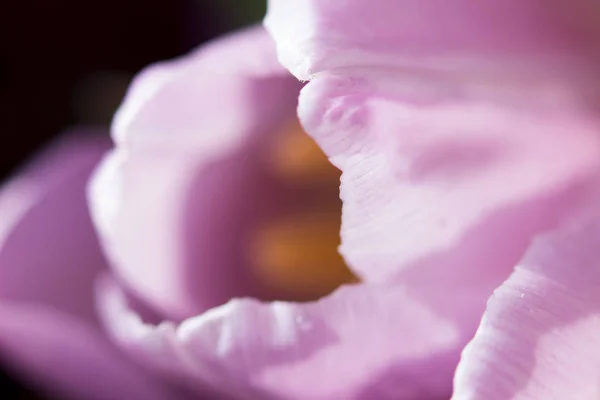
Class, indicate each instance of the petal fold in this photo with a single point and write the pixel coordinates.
(539, 338)
(362, 342)
(542, 36)
(444, 175)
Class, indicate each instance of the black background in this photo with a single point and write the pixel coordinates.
(58, 55)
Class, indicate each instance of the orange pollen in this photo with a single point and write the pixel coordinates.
(297, 157)
(296, 256)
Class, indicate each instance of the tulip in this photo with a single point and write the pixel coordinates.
(219, 214)
(463, 142)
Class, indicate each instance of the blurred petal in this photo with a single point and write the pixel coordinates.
(361, 343)
(185, 182)
(68, 358)
(209, 99)
(314, 36)
(540, 336)
(49, 253)
(49, 257)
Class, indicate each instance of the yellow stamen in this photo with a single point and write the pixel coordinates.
(297, 157)
(297, 257)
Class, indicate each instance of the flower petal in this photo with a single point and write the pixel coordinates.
(314, 36)
(540, 336)
(49, 252)
(207, 100)
(362, 342)
(67, 358)
(443, 189)
(186, 180)
(49, 258)
(447, 176)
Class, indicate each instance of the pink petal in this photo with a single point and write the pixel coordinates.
(49, 252)
(314, 36)
(540, 336)
(49, 257)
(443, 189)
(176, 198)
(169, 103)
(446, 175)
(363, 342)
(68, 358)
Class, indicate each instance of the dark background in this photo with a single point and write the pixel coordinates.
(68, 62)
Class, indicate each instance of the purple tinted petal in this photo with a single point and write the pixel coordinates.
(68, 358)
(540, 335)
(176, 198)
(444, 188)
(49, 258)
(362, 343)
(208, 98)
(313, 36)
(447, 176)
(48, 249)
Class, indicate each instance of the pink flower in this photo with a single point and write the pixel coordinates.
(464, 131)
(467, 140)
(178, 204)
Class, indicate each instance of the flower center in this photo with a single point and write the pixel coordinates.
(295, 254)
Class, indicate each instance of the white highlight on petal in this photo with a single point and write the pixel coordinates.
(105, 190)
